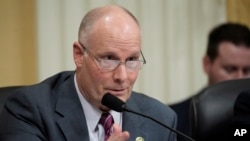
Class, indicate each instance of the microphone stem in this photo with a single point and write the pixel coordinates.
(176, 131)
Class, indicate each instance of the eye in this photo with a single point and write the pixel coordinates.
(133, 58)
(230, 69)
(108, 57)
(246, 71)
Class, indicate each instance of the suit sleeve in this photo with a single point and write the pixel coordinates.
(19, 120)
(173, 135)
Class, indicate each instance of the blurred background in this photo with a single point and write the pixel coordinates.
(36, 40)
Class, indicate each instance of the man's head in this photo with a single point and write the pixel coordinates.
(228, 53)
(107, 35)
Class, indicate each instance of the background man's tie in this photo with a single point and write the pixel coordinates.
(107, 122)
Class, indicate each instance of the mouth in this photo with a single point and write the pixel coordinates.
(117, 92)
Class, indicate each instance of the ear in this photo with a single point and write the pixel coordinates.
(207, 63)
(78, 54)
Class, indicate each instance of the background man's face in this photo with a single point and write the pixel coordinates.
(232, 62)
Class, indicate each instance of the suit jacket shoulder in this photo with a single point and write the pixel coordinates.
(145, 127)
(45, 111)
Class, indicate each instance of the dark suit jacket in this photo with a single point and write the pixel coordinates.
(51, 111)
(182, 110)
(242, 109)
(241, 118)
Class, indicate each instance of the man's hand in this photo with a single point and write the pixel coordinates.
(118, 135)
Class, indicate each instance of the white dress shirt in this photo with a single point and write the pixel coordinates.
(93, 115)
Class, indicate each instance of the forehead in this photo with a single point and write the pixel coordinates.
(234, 54)
(117, 31)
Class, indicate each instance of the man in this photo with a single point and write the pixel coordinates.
(67, 106)
(227, 57)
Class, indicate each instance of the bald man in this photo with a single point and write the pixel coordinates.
(67, 106)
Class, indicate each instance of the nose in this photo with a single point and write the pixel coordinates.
(120, 73)
(240, 74)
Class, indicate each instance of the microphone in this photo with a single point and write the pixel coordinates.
(118, 105)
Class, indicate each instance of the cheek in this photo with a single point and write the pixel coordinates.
(221, 75)
(132, 77)
(95, 76)
(217, 70)
(90, 74)
(98, 78)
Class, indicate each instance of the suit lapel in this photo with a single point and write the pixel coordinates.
(71, 120)
(70, 117)
(134, 123)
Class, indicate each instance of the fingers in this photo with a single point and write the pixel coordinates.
(118, 135)
(116, 128)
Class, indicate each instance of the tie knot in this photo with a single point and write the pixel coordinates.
(107, 121)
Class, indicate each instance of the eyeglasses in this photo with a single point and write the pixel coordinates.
(107, 64)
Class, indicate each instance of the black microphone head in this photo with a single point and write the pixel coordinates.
(113, 102)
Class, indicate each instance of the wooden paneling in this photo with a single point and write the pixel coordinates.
(238, 11)
(18, 57)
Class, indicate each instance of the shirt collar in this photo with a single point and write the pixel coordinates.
(93, 114)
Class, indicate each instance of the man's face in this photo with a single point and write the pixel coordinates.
(232, 62)
(116, 41)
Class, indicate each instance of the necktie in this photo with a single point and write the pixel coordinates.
(107, 121)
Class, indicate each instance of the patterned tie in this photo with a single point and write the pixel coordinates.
(107, 122)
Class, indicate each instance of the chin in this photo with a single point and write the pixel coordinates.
(104, 108)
